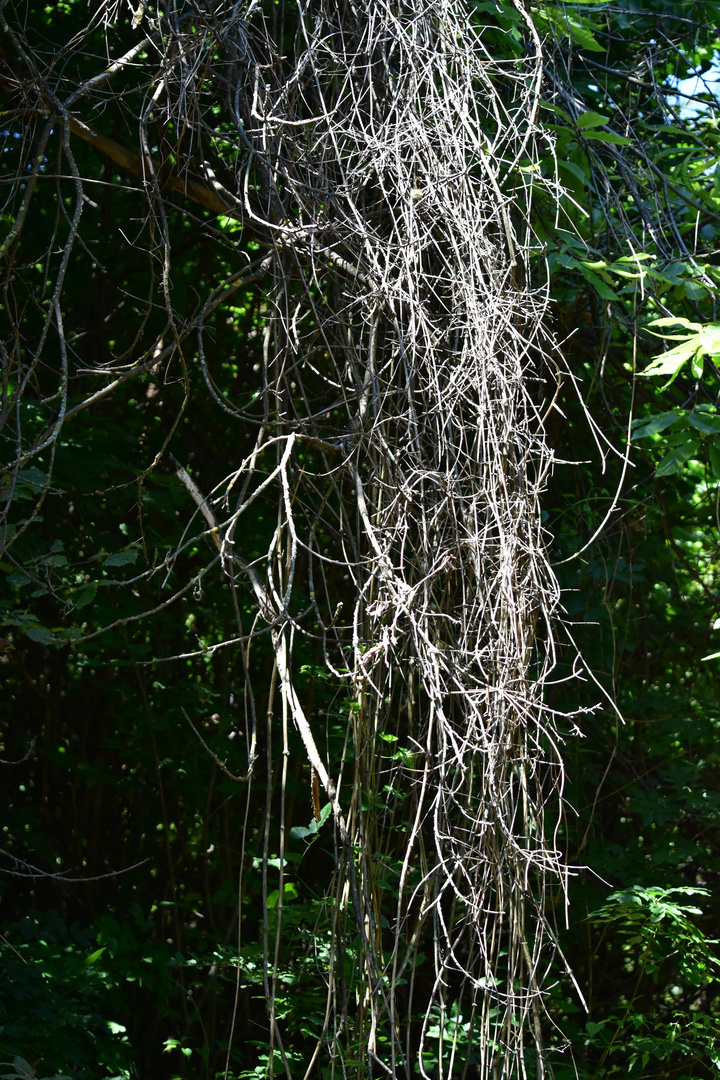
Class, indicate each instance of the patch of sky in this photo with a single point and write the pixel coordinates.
(698, 95)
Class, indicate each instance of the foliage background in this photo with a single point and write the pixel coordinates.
(110, 968)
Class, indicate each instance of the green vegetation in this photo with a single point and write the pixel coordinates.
(177, 893)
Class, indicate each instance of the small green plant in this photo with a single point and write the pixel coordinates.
(23, 1070)
(64, 989)
(668, 961)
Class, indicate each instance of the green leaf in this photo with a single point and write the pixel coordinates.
(23, 1066)
(675, 460)
(122, 558)
(94, 956)
(640, 256)
(702, 340)
(557, 110)
(708, 423)
(581, 35)
(18, 577)
(608, 137)
(572, 26)
(33, 477)
(41, 634)
(670, 362)
(674, 320)
(600, 286)
(591, 120)
(714, 455)
(301, 832)
(86, 594)
(576, 171)
(645, 426)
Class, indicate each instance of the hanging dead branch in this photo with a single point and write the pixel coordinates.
(374, 153)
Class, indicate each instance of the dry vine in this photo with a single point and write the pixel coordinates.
(376, 161)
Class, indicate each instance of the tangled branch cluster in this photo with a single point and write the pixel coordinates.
(375, 154)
